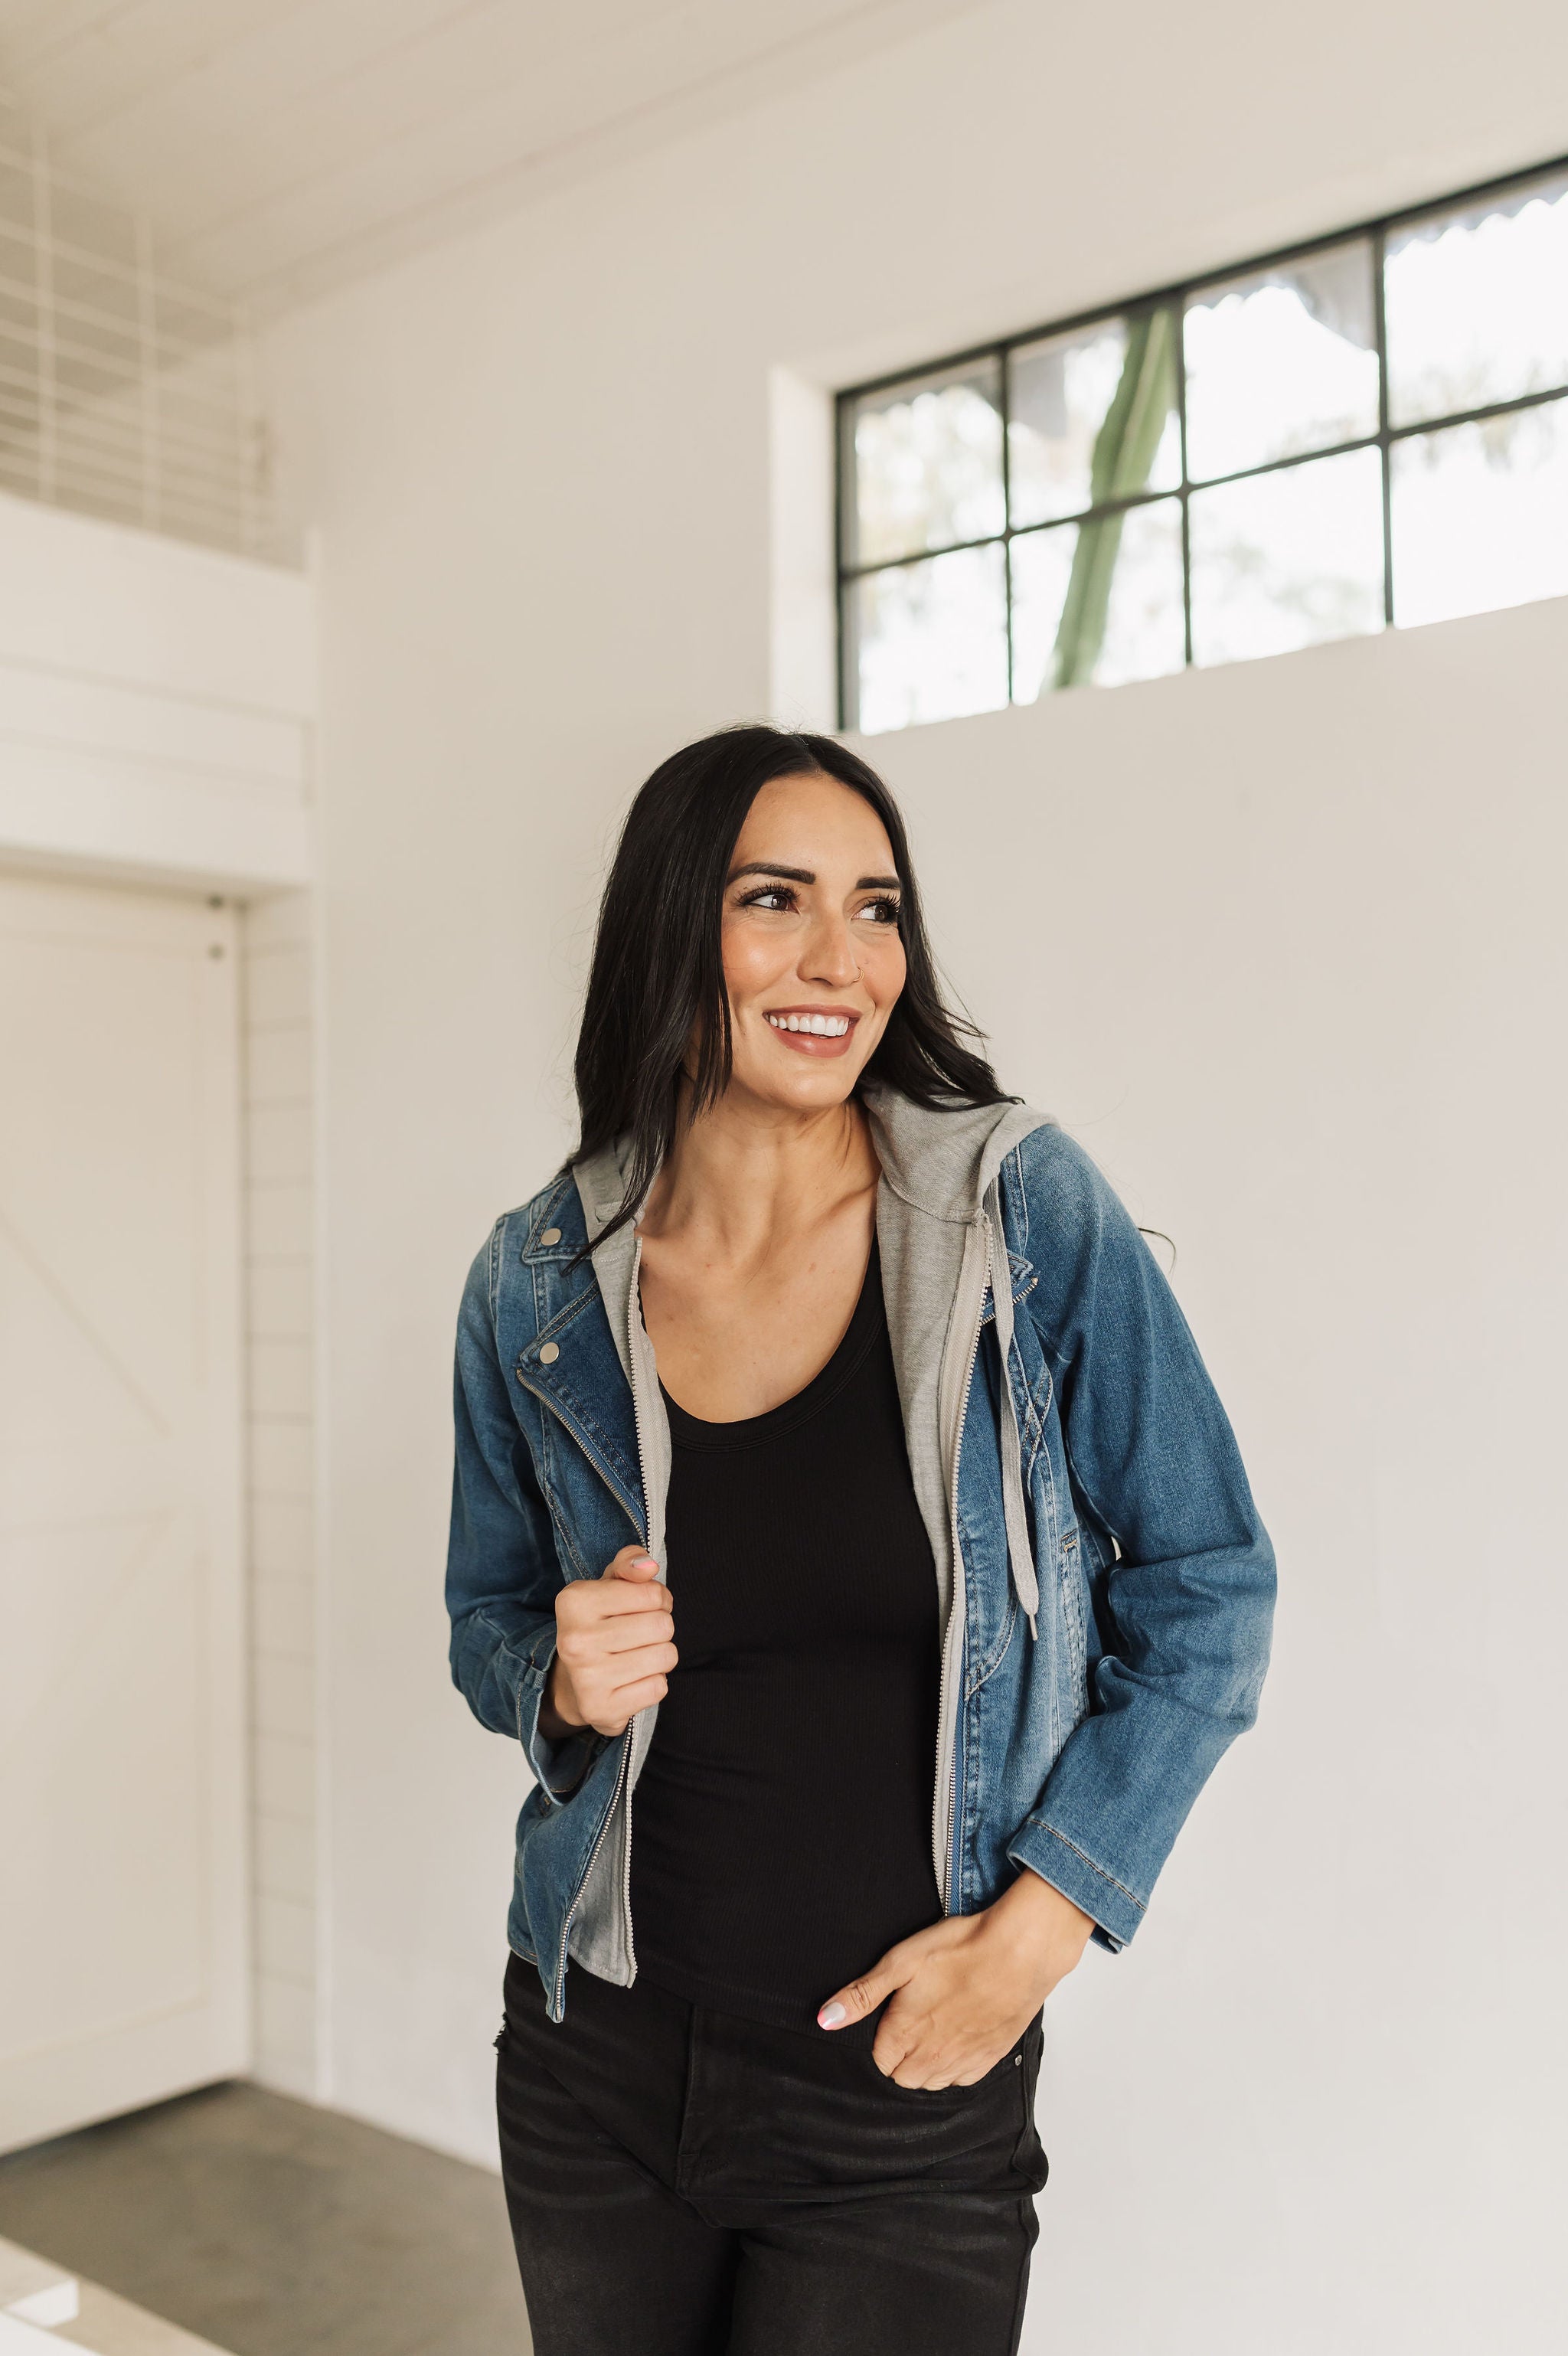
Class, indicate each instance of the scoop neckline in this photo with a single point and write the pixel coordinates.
(688, 1431)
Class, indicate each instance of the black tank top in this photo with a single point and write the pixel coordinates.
(781, 1827)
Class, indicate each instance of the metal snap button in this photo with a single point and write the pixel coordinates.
(551, 1235)
(548, 1353)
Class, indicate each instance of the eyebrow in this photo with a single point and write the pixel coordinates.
(804, 875)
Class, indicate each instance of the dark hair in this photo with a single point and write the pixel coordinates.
(658, 974)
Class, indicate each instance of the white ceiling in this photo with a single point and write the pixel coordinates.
(282, 146)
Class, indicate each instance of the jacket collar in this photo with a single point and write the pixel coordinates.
(601, 1188)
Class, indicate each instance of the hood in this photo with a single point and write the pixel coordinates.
(944, 1163)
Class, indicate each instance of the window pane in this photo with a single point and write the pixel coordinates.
(1092, 416)
(1477, 304)
(1480, 515)
(931, 639)
(1283, 561)
(925, 465)
(1281, 362)
(1098, 602)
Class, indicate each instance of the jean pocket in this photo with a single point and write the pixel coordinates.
(1003, 2073)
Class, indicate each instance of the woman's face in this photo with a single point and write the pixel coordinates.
(813, 959)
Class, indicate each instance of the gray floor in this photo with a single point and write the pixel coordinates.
(276, 2229)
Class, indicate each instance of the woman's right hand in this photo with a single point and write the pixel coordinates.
(614, 1647)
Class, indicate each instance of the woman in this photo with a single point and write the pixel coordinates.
(825, 1417)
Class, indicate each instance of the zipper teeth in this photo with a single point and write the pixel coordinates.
(947, 1765)
(626, 1876)
(592, 1861)
(634, 1319)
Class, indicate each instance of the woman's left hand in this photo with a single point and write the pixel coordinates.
(965, 1990)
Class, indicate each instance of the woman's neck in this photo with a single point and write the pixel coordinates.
(743, 1179)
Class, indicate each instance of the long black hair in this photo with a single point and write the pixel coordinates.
(656, 982)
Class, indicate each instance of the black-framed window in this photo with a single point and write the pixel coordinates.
(1366, 431)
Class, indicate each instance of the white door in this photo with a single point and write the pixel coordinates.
(122, 1934)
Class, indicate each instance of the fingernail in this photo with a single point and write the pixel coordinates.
(830, 2016)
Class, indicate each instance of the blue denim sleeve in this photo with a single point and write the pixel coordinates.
(1184, 1600)
(502, 1571)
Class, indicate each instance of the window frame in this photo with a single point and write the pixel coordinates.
(1175, 297)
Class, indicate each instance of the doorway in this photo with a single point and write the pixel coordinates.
(123, 1967)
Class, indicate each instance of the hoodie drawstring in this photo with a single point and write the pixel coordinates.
(1021, 1560)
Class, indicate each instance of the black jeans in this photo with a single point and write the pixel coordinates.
(682, 2183)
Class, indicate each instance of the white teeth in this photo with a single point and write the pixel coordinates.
(821, 1026)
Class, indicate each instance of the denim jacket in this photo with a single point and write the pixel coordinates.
(1105, 1586)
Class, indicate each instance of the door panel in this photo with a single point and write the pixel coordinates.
(122, 1961)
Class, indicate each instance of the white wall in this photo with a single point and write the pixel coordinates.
(1273, 941)
(156, 706)
(1283, 946)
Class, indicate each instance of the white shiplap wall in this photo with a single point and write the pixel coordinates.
(125, 395)
(280, 1297)
(156, 706)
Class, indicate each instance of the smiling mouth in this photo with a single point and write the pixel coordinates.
(813, 1030)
